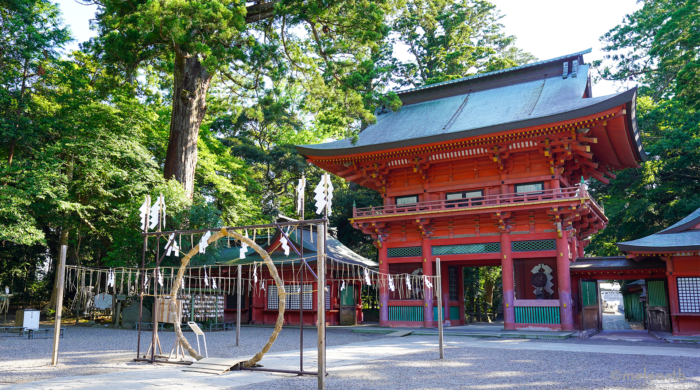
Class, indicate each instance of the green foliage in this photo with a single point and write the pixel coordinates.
(643, 201)
(482, 290)
(658, 46)
(451, 39)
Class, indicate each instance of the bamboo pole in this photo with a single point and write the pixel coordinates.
(59, 303)
(438, 286)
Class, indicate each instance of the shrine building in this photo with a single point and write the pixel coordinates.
(485, 171)
(260, 301)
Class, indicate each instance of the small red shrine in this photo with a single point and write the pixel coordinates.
(484, 171)
(679, 248)
(260, 301)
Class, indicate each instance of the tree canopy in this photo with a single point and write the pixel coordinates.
(656, 47)
(211, 94)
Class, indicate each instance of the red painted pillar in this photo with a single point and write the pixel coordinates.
(672, 293)
(554, 185)
(444, 272)
(564, 281)
(581, 245)
(427, 293)
(574, 247)
(508, 282)
(460, 295)
(383, 288)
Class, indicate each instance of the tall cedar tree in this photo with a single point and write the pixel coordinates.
(451, 39)
(198, 40)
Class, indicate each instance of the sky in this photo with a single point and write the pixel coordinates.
(545, 28)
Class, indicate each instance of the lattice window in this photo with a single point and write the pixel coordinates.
(292, 299)
(689, 295)
(452, 275)
(490, 247)
(404, 252)
(531, 246)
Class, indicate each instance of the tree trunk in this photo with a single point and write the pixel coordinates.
(191, 83)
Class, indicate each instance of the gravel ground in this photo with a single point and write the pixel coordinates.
(602, 341)
(85, 351)
(486, 368)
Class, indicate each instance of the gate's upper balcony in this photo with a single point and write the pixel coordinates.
(502, 202)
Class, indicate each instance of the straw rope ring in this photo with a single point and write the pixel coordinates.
(273, 272)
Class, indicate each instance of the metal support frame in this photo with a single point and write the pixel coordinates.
(322, 226)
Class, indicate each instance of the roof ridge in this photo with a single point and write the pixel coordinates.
(507, 70)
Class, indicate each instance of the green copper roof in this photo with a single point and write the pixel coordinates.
(677, 238)
(477, 76)
(335, 251)
(486, 111)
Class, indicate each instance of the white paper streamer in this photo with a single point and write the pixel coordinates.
(206, 277)
(408, 282)
(172, 247)
(110, 278)
(244, 247)
(342, 286)
(144, 214)
(391, 284)
(203, 244)
(285, 247)
(213, 283)
(160, 278)
(155, 212)
(367, 280)
(428, 285)
(300, 194)
(324, 194)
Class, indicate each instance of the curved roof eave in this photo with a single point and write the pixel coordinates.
(628, 97)
(666, 243)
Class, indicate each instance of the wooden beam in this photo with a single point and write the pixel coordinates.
(353, 177)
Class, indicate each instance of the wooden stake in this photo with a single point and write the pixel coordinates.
(59, 304)
(438, 286)
(238, 308)
(321, 269)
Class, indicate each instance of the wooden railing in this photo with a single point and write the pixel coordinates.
(488, 200)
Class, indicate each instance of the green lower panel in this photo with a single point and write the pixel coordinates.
(454, 313)
(537, 315)
(406, 313)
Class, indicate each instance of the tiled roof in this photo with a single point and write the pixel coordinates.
(508, 107)
(676, 238)
(335, 251)
(502, 71)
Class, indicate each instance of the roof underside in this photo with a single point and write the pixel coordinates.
(615, 263)
(491, 104)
